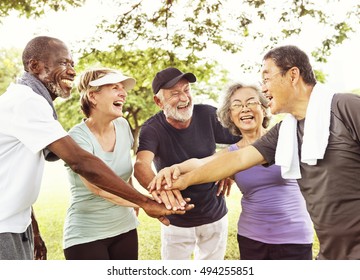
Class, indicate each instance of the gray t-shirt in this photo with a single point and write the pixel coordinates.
(331, 188)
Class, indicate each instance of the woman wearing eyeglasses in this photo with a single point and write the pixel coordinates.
(274, 223)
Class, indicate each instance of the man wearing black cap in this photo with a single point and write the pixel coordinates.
(179, 132)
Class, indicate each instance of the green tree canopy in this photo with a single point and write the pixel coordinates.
(35, 8)
(147, 36)
(10, 67)
(194, 26)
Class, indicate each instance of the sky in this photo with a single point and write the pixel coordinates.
(79, 24)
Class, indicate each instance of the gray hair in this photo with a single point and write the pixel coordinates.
(223, 112)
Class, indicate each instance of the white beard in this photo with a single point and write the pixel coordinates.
(173, 113)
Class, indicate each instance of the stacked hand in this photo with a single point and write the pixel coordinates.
(166, 185)
(159, 211)
(166, 179)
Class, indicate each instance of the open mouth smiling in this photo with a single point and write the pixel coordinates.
(67, 82)
(118, 103)
(244, 118)
(183, 106)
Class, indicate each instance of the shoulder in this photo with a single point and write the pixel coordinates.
(204, 111)
(345, 104)
(154, 120)
(78, 129)
(22, 94)
(204, 108)
(345, 98)
(25, 104)
(121, 122)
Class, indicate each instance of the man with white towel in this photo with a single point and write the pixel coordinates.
(318, 143)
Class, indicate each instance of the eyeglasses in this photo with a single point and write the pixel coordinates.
(238, 106)
(267, 79)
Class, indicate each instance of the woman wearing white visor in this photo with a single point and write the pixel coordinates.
(99, 225)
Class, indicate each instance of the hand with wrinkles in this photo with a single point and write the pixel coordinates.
(171, 198)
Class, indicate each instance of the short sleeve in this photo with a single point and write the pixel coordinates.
(266, 145)
(33, 123)
(82, 138)
(346, 107)
(148, 139)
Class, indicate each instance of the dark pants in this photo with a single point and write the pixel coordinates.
(120, 247)
(255, 250)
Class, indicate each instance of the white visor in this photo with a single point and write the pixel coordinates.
(114, 78)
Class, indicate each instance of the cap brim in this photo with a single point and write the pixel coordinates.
(188, 76)
(114, 78)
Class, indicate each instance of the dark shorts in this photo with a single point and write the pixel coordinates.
(121, 247)
(255, 250)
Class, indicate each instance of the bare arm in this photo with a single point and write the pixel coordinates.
(222, 166)
(99, 174)
(106, 195)
(142, 168)
(94, 170)
(40, 251)
(168, 174)
(144, 174)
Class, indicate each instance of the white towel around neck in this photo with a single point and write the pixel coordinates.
(315, 139)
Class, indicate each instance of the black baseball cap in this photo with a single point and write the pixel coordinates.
(169, 77)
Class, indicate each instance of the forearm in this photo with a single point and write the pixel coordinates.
(97, 173)
(95, 170)
(188, 165)
(224, 165)
(143, 173)
(34, 223)
(115, 199)
(106, 195)
(191, 164)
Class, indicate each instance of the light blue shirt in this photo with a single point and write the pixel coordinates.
(90, 217)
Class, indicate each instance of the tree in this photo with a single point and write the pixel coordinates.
(235, 26)
(35, 8)
(190, 34)
(10, 67)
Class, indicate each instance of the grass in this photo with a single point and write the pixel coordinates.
(50, 210)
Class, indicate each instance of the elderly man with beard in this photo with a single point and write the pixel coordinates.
(179, 132)
(29, 133)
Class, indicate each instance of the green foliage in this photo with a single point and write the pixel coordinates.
(188, 35)
(320, 76)
(35, 8)
(10, 67)
(341, 31)
(191, 27)
(68, 110)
